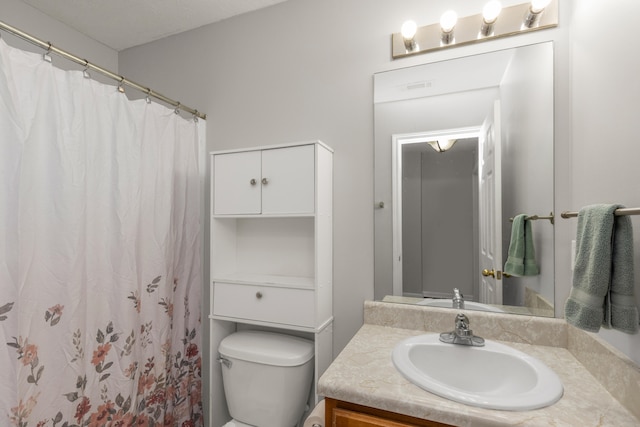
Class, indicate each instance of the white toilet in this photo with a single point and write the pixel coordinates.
(267, 378)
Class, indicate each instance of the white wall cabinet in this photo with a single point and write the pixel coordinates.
(271, 241)
(268, 181)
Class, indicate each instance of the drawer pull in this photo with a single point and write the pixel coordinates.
(265, 181)
(259, 295)
(253, 181)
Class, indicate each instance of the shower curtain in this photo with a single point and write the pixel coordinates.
(100, 253)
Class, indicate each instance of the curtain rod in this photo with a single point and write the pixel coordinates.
(88, 65)
(617, 212)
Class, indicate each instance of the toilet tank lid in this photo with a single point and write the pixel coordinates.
(267, 348)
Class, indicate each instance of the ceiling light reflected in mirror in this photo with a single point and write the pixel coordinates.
(442, 145)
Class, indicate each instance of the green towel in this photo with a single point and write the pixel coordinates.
(603, 277)
(521, 257)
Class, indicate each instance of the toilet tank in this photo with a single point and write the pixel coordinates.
(267, 377)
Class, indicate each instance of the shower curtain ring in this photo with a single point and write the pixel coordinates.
(47, 55)
(147, 98)
(177, 110)
(85, 72)
(195, 116)
(120, 85)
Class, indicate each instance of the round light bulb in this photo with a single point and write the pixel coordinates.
(408, 29)
(448, 20)
(491, 11)
(538, 6)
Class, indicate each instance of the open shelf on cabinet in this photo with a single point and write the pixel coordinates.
(264, 250)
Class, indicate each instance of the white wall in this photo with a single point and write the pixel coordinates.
(24, 17)
(302, 70)
(526, 95)
(293, 72)
(605, 151)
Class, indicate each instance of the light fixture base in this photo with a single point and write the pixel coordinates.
(468, 29)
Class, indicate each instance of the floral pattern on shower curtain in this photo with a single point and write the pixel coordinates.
(100, 253)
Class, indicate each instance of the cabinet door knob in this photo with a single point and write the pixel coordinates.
(253, 181)
(265, 181)
(259, 295)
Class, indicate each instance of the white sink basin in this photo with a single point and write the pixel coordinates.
(468, 305)
(494, 376)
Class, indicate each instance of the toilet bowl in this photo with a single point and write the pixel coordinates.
(266, 377)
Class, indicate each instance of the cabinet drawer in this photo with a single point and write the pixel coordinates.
(287, 306)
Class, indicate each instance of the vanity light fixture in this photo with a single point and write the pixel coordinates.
(493, 22)
(490, 15)
(448, 22)
(442, 145)
(535, 10)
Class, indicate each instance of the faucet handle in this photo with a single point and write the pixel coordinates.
(458, 300)
(462, 334)
(462, 326)
(462, 321)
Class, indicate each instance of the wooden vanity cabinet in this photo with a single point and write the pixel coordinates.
(339, 413)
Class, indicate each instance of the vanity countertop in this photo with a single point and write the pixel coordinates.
(364, 374)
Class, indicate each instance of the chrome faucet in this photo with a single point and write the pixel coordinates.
(458, 300)
(461, 334)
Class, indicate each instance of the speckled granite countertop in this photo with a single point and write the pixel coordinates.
(364, 373)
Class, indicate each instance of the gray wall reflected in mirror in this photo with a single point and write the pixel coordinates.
(450, 180)
(439, 215)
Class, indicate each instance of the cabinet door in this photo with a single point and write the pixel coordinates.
(237, 183)
(346, 418)
(339, 413)
(288, 180)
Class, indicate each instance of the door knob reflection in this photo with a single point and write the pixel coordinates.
(488, 273)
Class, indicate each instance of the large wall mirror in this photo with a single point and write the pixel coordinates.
(462, 147)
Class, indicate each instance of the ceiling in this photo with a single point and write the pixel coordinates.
(121, 24)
